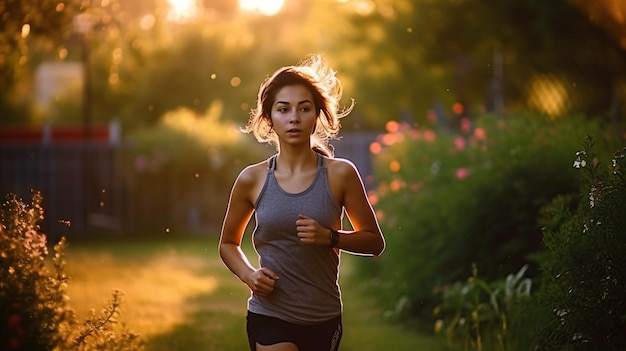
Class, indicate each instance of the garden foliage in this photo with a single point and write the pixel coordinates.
(580, 303)
(583, 277)
(181, 170)
(451, 199)
(478, 315)
(34, 310)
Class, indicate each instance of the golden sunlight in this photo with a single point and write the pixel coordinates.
(266, 7)
(548, 94)
(181, 10)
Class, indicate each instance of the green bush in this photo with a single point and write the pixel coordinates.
(34, 314)
(449, 200)
(477, 315)
(185, 166)
(583, 291)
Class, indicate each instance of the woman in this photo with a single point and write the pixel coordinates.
(298, 197)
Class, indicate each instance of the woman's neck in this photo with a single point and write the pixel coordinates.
(295, 160)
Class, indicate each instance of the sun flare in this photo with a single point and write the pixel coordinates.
(181, 10)
(266, 7)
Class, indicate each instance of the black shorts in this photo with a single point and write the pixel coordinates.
(317, 337)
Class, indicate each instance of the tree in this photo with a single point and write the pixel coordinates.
(397, 59)
(27, 29)
(416, 52)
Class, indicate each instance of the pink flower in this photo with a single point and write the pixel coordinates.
(394, 166)
(462, 173)
(466, 125)
(429, 135)
(459, 143)
(458, 108)
(373, 197)
(392, 126)
(480, 133)
(392, 138)
(375, 148)
(396, 185)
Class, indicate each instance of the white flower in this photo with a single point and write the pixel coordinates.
(580, 162)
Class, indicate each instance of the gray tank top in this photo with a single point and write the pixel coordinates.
(307, 291)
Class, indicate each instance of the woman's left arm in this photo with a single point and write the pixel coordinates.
(366, 238)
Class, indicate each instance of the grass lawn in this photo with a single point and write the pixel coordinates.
(179, 296)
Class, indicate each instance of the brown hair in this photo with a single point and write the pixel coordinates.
(318, 77)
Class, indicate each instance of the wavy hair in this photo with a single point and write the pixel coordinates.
(319, 78)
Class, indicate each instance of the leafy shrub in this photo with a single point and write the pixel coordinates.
(34, 314)
(476, 315)
(448, 200)
(583, 290)
(185, 166)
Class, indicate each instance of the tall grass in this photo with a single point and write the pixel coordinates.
(179, 296)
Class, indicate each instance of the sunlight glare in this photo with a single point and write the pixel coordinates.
(266, 7)
(181, 10)
(548, 94)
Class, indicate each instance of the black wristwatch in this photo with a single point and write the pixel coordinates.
(334, 238)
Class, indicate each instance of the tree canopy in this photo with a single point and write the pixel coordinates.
(476, 52)
(26, 29)
(398, 59)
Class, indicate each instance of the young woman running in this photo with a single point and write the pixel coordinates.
(298, 197)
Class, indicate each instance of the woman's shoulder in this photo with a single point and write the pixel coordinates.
(253, 173)
(341, 167)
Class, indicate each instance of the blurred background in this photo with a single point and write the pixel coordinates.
(125, 114)
(468, 117)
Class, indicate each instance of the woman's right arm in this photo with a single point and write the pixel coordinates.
(240, 208)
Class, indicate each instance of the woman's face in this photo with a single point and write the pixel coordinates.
(293, 114)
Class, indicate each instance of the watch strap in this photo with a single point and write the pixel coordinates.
(334, 238)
